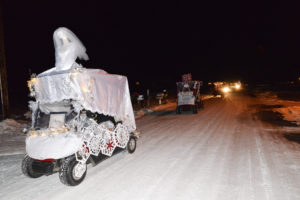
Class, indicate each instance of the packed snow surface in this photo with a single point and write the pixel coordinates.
(222, 153)
(11, 137)
(9, 126)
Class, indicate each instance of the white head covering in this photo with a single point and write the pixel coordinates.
(67, 48)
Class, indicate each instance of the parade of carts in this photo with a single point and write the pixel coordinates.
(210, 140)
(77, 120)
(83, 116)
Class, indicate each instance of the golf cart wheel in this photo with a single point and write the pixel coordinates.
(201, 105)
(178, 110)
(71, 171)
(131, 145)
(27, 168)
(195, 109)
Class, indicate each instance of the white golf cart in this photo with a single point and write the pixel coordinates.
(80, 116)
(188, 96)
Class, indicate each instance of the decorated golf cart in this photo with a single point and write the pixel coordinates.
(79, 116)
(188, 95)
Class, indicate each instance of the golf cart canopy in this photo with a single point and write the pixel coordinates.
(93, 89)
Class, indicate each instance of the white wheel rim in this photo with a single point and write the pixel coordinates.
(79, 170)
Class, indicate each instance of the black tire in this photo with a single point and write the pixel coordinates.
(131, 145)
(67, 171)
(27, 168)
(195, 109)
(178, 110)
(201, 105)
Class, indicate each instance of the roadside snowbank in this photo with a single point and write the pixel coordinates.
(10, 126)
(266, 95)
(11, 137)
(290, 113)
(290, 109)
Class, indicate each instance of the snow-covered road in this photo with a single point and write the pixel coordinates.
(222, 153)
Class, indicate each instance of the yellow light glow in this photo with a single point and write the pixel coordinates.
(42, 134)
(225, 89)
(85, 89)
(74, 74)
(237, 86)
(32, 133)
(31, 82)
(53, 132)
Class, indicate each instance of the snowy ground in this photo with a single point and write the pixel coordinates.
(11, 137)
(224, 152)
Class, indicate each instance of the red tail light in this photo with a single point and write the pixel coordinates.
(46, 160)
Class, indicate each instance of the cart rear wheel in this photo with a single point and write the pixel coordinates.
(27, 168)
(71, 171)
(178, 110)
(201, 105)
(195, 109)
(131, 146)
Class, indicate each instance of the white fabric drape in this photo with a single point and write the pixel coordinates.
(94, 89)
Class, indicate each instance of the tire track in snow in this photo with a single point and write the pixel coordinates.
(223, 155)
(180, 169)
(264, 170)
(183, 173)
(192, 123)
(279, 159)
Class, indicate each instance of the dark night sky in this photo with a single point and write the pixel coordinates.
(157, 42)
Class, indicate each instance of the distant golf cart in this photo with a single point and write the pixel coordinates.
(188, 96)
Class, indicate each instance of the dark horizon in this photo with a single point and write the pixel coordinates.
(155, 43)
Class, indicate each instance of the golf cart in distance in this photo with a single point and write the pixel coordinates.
(79, 116)
(188, 96)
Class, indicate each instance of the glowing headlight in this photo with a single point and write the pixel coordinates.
(226, 89)
(237, 86)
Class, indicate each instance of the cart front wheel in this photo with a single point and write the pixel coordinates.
(71, 171)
